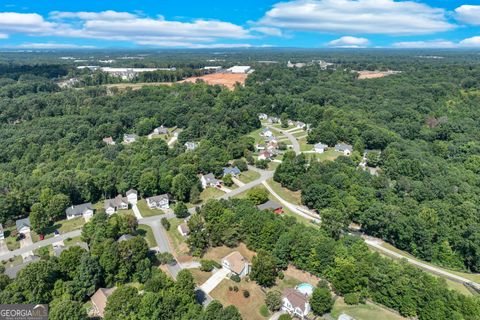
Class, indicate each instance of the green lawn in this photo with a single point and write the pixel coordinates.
(363, 311)
(72, 241)
(256, 135)
(176, 239)
(210, 193)
(328, 155)
(304, 145)
(146, 211)
(248, 176)
(11, 242)
(300, 133)
(290, 196)
(146, 232)
(15, 261)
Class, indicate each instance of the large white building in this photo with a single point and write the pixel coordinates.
(240, 69)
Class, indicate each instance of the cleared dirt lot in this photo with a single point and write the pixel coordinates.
(375, 74)
(226, 79)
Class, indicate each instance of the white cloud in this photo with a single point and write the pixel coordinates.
(473, 42)
(357, 16)
(468, 14)
(268, 31)
(349, 42)
(104, 15)
(51, 45)
(29, 23)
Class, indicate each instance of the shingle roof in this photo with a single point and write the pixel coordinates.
(210, 178)
(320, 146)
(99, 299)
(23, 223)
(343, 146)
(124, 237)
(132, 191)
(115, 202)
(79, 209)
(296, 298)
(158, 198)
(269, 205)
(236, 261)
(230, 170)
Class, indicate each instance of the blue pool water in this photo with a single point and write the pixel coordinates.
(305, 288)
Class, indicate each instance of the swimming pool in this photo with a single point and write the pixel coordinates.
(305, 288)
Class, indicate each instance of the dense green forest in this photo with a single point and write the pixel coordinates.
(424, 121)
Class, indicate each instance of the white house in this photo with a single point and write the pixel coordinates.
(183, 229)
(240, 69)
(262, 116)
(109, 141)
(129, 138)
(132, 196)
(295, 303)
(259, 146)
(113, 205)
(159, 202)
(266, 133)
(85, 210)
(300, 124)
(2, 235)
(160, 130)
(344, 148)
(191, 145)
(209, 180)
(23, 225)
(236, 264)
(320, 147)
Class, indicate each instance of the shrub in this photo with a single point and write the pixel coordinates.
(230, 288)
(352, 298)
(165, 258)
(235, 288)
(264, 311)
(208, 265)
(281, 275)
(165, 223)
(285, 317)
(273, 300)
(235, 278)
(246, 293)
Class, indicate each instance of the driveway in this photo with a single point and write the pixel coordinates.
(3, 247)
(214, 280)
(26, 242)
(137, 213)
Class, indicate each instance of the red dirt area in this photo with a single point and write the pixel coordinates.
(225, 79)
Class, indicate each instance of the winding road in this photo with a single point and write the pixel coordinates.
(293, 140)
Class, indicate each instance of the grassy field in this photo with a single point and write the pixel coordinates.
(146, 232)
(290, 196)
(363, 311)
(200, 276)
(304, 146)
(146, 211)
(11, 242)
(177, 241)
(248, 307)
(72, 241)
(328, 155)
(210, 193)
(248, 176)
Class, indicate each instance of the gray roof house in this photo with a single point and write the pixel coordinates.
(320, 147)
(346, 149)
(84, 209)
(23, 225)
(234, 171)
(113, 205)
(191, 145)
(209, 180)
(270, 205)
(125, 237)
(159, 202)
(160, 130)
(129, 138)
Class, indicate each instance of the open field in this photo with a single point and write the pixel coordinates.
(210, 193)
(304, 145)
(224, 79)
(147, 233)
(248, 176)
(290, 196)
(367, 311)
(177, 241)
(375, 74)
(146, 211)
(328, 155)
(248, 307)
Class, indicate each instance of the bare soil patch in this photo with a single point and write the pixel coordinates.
(225, 79)
(375, 74)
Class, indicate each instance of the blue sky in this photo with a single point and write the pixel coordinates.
(45, 24)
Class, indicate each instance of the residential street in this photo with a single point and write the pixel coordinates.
(293, 140)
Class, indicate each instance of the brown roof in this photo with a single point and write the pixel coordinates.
(236, 261)
(296, 298)
(99, 299)
(184, 228)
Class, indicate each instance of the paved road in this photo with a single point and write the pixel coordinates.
(377, 244)
(40, 244)
(293, 140)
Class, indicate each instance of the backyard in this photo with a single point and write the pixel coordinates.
(367, 311)
(146, 211)
(248, 176)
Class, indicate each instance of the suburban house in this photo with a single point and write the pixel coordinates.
(295, 303)
(271, 205)
(271, 139)
(236, 264)
(109, 141)
(233, 171)
(300, 124)
(125, 237)
(344, 148)
(2, 234)
(159, 202)
(264, 155)
(260, 146)
(272, 145)
(129, 138)
(320, 147)
(272, 120)
(132, 196)
(23, 225)
(209, 180)
(160, 130)
(113, 205)
(183, 229)
(262, 116)
(266, 133)
(191, 145)
(99, 300)
(85, 210)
